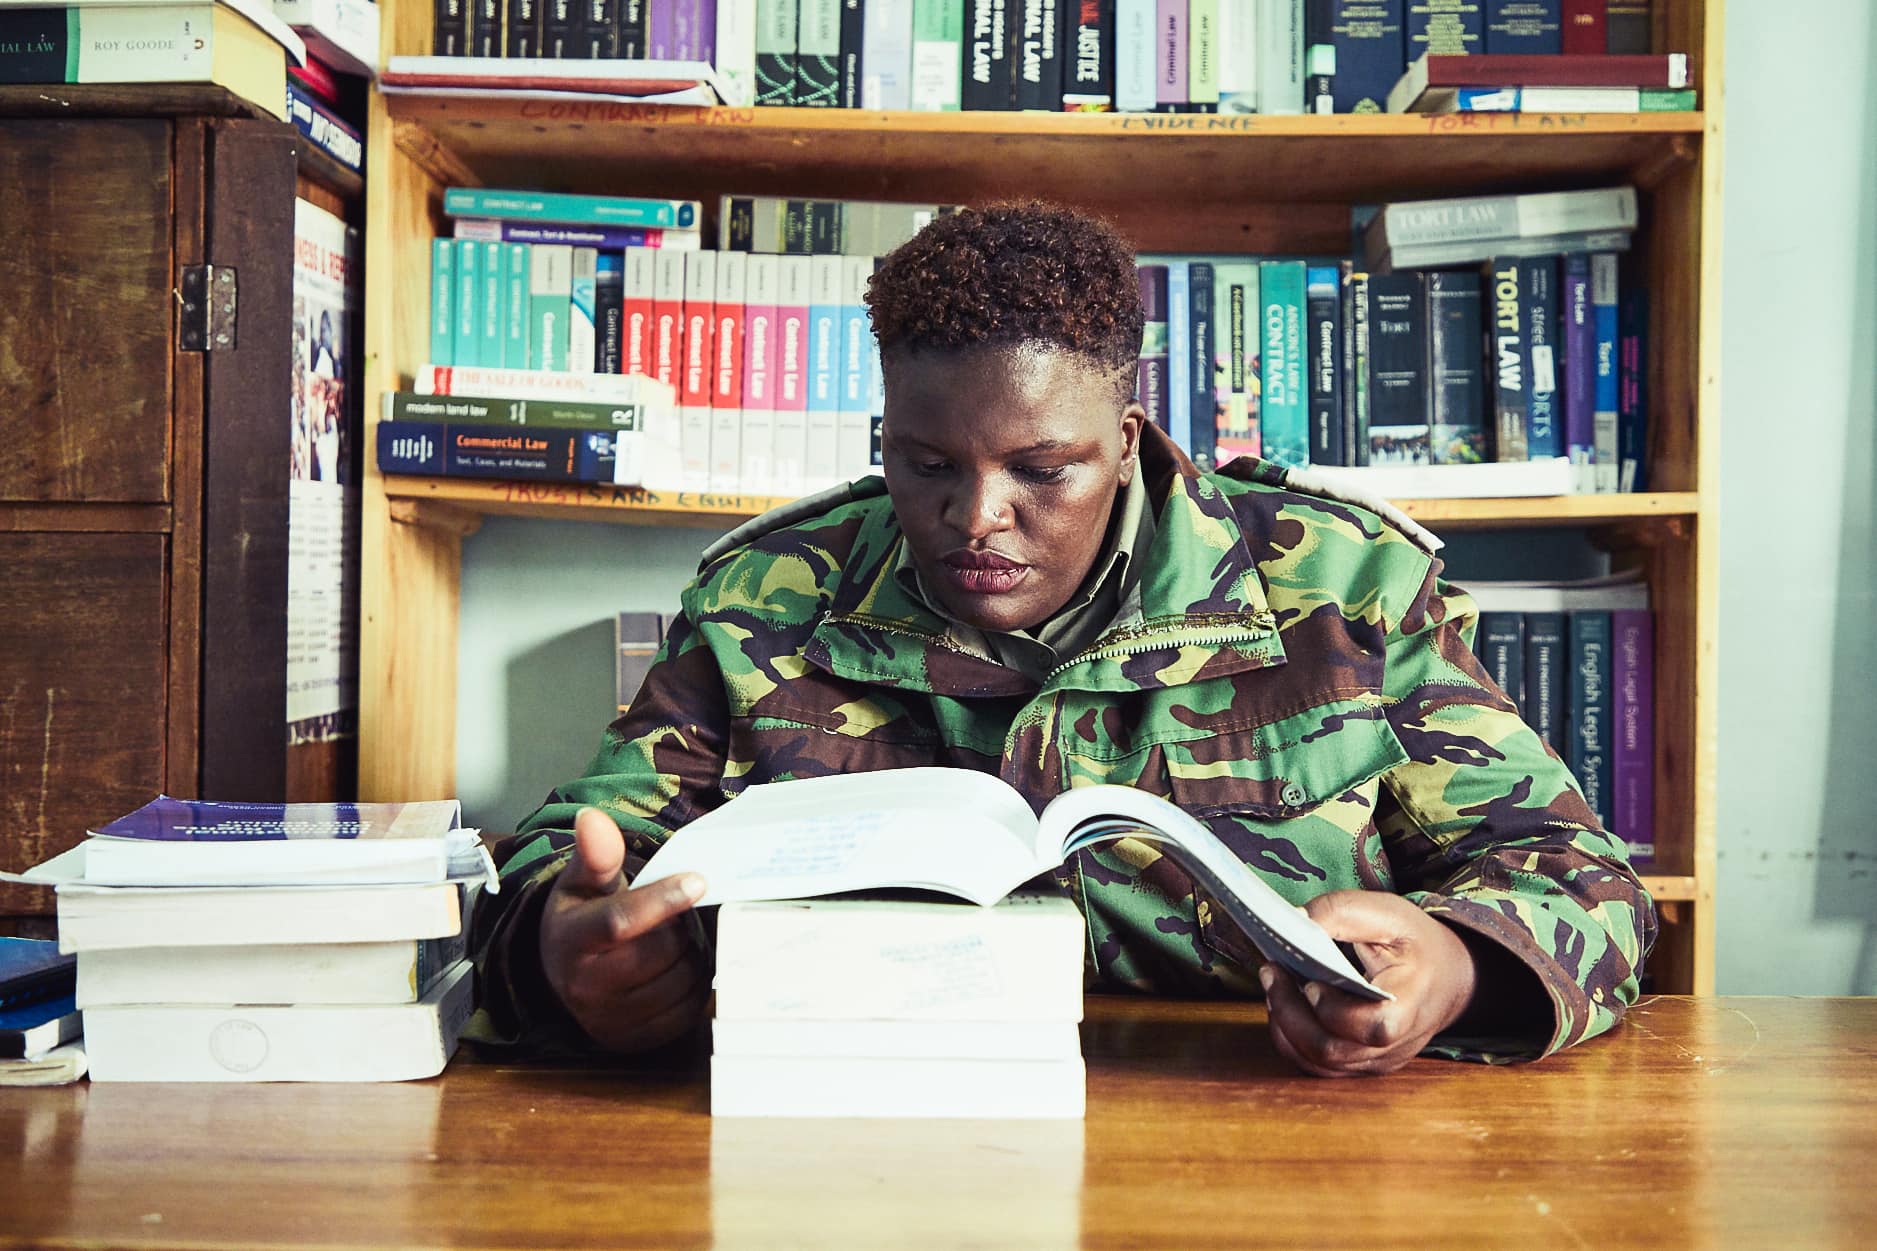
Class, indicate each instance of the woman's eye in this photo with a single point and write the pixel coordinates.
(1041, 473)
(929, 468)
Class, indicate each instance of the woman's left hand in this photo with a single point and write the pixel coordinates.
(1404, 950)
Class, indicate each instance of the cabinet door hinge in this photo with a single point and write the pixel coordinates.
(207, 296)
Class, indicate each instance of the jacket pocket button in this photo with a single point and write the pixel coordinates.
(1293, 795)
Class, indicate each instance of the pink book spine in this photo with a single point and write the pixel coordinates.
(1170, 42)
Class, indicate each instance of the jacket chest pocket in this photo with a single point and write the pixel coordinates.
(1294, 799)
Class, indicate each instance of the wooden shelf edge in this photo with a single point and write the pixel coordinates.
(640, 506)
(1670, 888)
(413, 107)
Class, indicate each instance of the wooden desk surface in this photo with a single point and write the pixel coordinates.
(1749, 1122)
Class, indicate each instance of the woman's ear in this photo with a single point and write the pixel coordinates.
(1132, 418)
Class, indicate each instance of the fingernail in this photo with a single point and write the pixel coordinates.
(1266, 976)
(1313, 992)
(693, 887)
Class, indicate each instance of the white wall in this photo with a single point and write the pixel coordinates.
(1798, 644)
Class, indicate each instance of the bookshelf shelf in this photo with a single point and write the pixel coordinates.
(638, 506)
(1172, 183)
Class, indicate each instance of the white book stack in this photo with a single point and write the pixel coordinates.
(270, 942)
(899, 1008)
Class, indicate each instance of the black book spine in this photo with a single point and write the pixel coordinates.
(1547, 670)
(1319, 53)
(738, 229)
(560, 28)
(1501, 649)
(609, 314)
(1456, 378)
(488, 16)
(1356, 375)
(797, 235)
(1038, 63)
(1397, 369)
(599, 29)
(633, 36)
(1506, 358)
(853, 37)
(1627, 27)
(987, 83)
(521, 28)
(451, 36)
(1203, 333)
(1088, 56)
(1323, 323)
(824, 227)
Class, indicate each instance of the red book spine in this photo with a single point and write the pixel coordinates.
(316, 78)
(1583, 31)
(668, 319)
(637, 314)
(727, 390)
(1500, 69)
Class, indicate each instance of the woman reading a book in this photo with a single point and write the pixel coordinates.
(1046, 588)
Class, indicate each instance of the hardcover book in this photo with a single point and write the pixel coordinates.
(970, 834)
(818, 54)
(987, 79)
(1445, 27)
(1538, 285)
(1507, 359)
(1038, 69)
(1632, 774)
(776, 22)
(1604, 432)
(1580, 369)
(886, 54)
(1524, 27)
(1324, 310)
(531, 454)
(1398, 433)
(1088, 56)
(1456, 387)
(1367, 36)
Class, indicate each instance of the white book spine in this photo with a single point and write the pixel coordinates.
(1238, 56)
(886, 55)
(331, 1043)
(736, 51)
(581, 330)
(1134, 56)
(550, 306)
(1603, 299)
(998, 1089)
(543, 384)
(1280, 56)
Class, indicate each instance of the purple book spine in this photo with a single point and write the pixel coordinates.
(1153, 361)
(1633, 780)
(1580, 367)
(1170, 53)
(662, 28)
(693, 28)
(582, 236)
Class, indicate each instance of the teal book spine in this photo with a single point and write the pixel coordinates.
(494, 308)
(442, 302)
(570, 210)
(468, 339)
(515, 311)
(1284, 410)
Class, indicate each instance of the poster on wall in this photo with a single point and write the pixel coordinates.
(323, 541)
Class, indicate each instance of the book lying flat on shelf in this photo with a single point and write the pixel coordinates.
(683, 83)
(33, 970)
(30, 1030)
(330, 1043)
(188, 842)
(1428, 74)
(969, 834)
(342, 32)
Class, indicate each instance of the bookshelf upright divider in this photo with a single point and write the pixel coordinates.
(1180, 183)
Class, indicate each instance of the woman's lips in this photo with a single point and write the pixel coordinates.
(983, 573)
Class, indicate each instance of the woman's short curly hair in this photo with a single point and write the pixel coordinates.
(1011, 274)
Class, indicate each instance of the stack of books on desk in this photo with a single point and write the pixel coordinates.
(270, 942)
(899, 1008)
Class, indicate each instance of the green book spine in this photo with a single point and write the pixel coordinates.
(818, 54)
(489, 335)
(1666, 100)
(515, 311)
(1284, 408)
(468, 325)
(442, 302)
(480, 411)
(562, 209)
(776, 22)
(938, 38)
(1202, 57)
(550, 305)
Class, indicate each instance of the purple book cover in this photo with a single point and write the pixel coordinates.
(1170, 52)
(204, 821)
(1580, 365)
(490, 230)
(693, 29)
(1633, 782)
(661, 23)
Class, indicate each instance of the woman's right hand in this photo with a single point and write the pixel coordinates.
(622, 960)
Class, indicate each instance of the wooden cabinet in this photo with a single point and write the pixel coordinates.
(1193, 183)
(143, 480)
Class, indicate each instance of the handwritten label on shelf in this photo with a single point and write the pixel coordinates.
(615, 111)
(588, 495)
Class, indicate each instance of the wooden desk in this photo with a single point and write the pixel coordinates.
(1748, 1122)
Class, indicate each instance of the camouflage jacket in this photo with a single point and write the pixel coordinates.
(1299, 679)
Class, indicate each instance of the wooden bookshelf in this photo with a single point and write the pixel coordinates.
(1172, 183)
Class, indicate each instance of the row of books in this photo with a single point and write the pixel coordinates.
(1521, 360)
(1579, 661)
(1244, 56)
(270, 942)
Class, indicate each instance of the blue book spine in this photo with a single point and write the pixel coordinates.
(1370, 53)
(1501, 648)
(1603, 307)
(1284, 407)
(1589, 717)
(1180, 354)
(1538, 285)
(1323, 295)
(1580, 368)
(468, 342)
(1202, 336)
(442, 302)
(534, 454)
(1446, 27)
(1546, 686)
(1525, 27)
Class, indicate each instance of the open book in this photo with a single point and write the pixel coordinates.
(972, 835)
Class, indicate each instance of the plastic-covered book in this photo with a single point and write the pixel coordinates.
(188, 842)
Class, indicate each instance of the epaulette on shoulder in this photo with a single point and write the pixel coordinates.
(1324, 486)
(793, 513)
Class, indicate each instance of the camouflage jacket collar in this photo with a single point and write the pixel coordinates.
(1203, 608)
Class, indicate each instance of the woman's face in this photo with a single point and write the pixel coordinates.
(1003, 465)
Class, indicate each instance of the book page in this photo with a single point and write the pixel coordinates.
(1092, 814)
(952, 830)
